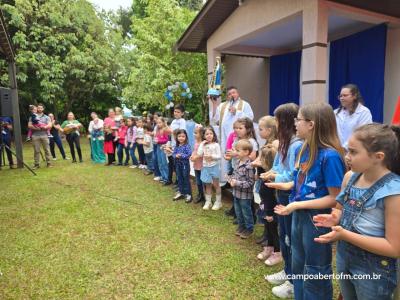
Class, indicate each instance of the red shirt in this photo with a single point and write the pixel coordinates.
(122, 130)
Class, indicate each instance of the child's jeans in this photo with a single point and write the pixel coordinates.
(351, 260)
(162, 162)
(149, 160)
(120, 152)
(199, 183)
(285, 230)
(309, 257)
(157, 172)
(171, 168)
(132, 153)
(244, 213)
(142, 157)
(182, 168)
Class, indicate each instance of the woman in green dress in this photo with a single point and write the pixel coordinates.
(97, 139)
(71, 129)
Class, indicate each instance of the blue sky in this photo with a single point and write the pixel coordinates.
(111, 4)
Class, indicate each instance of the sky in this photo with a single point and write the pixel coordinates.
(111, 4)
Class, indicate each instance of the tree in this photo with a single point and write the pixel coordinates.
(66, 55)
(191, 4)
(156, 65)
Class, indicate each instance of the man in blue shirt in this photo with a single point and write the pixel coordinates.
(6, 127)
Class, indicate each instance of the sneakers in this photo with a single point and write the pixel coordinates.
(239, 230)
(276, 278)
(274, 259)
(265, 253)
(142, 166)
(54, 158)
(208, 203)
(177, 196)
(188, 198)
(133, 167)
(199, 198)
(35, 167)
(49, 165)
(230, 212)
(66, 158)
(284, 291)
(147, 172)
(246, 234)
(157, 178)
(218, 204)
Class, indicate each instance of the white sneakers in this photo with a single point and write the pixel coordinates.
(284, 291)
(277, 278)
(178, 196)
(158, 178)
(133, 167)
(208, 203)
(218, 203)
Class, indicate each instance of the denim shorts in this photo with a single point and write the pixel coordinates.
(210, 173)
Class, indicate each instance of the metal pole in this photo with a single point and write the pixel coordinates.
(12, 73)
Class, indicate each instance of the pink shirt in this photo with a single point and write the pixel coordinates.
(198, 163)
(162, 138)
(230, 140)
(131, 134)
(109, 122)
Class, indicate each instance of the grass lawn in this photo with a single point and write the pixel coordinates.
(85, 231)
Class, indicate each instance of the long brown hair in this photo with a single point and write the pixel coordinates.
(248, 124)
(324, 133)
(285, 115)
(209, 128)
(379, 137)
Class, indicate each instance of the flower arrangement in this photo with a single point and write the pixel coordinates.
(177, 93)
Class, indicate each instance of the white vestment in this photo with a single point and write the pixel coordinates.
(226, 127)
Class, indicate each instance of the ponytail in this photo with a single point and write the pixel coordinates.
(396, 159)
(380, 137)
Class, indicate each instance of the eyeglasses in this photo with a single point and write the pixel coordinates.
(297, 120)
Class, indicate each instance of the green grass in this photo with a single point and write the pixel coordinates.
(85, 231)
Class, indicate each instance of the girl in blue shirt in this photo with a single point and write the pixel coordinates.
(366, 221)
(282, 172)
(181, 155)
(318, 175)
